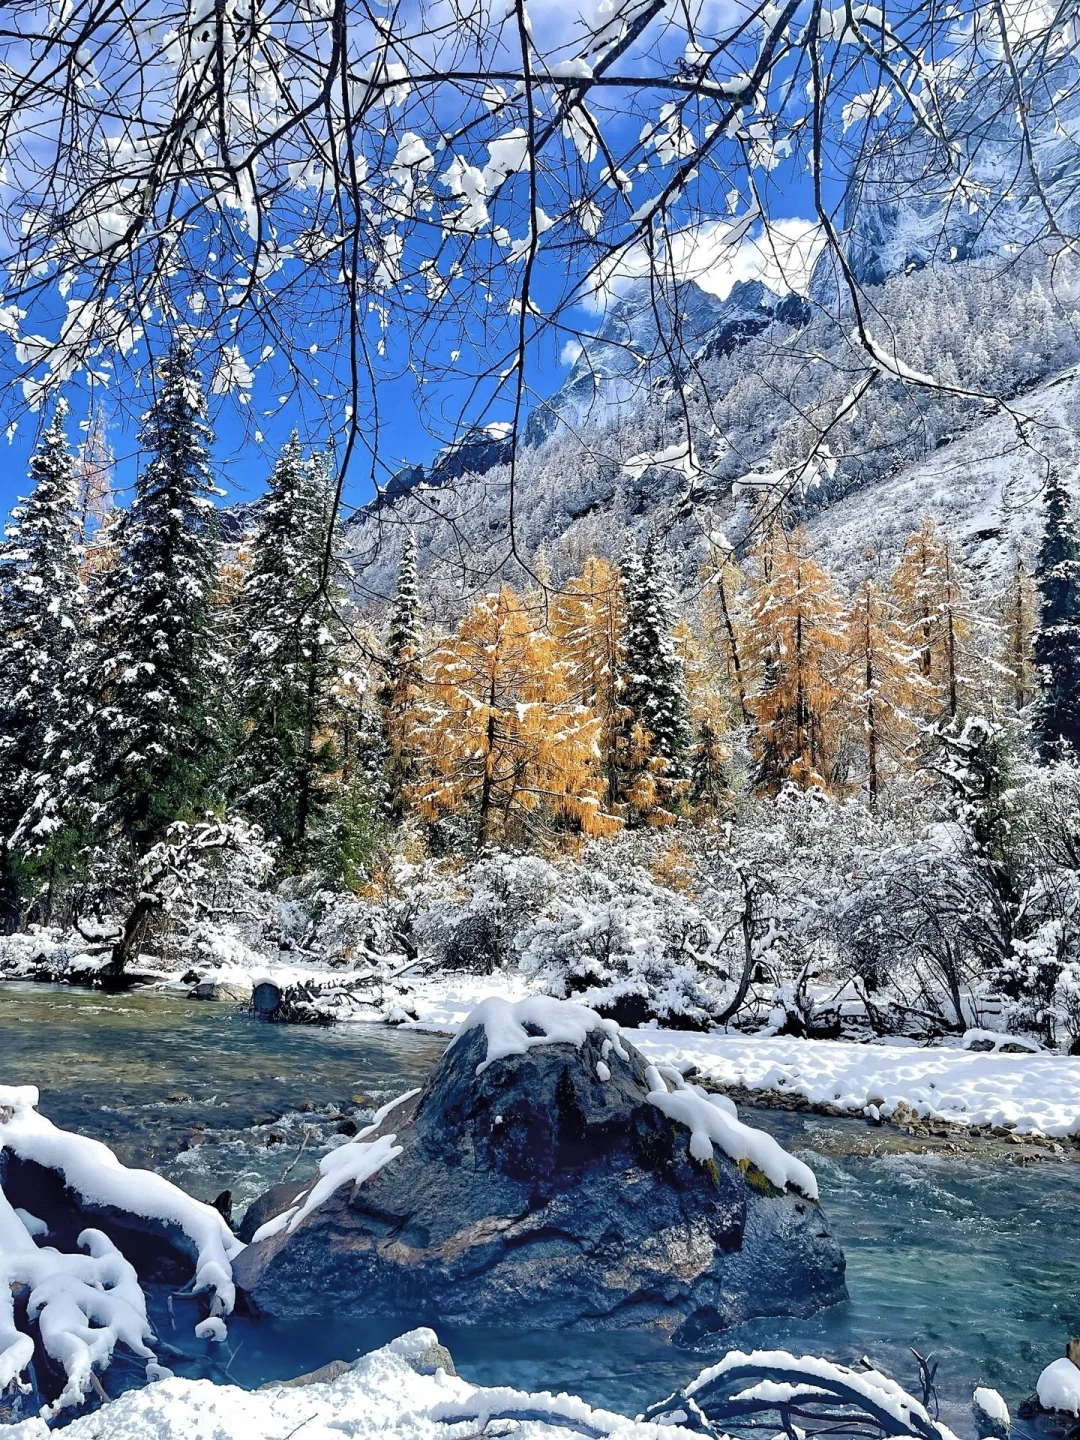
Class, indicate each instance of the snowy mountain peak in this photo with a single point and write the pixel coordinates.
(645, 334)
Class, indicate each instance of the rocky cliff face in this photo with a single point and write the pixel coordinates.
(647, 337)
(914, 204)
(549, 1191)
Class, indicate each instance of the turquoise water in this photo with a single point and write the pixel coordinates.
(975, 1263)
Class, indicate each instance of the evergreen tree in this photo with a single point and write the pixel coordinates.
(151, 674)
(287, 659)
(1056, 645)
(654, 686)
(400, 690)
(40, 616)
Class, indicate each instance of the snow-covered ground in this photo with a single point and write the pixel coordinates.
(1033, 1094)
(382, 1395)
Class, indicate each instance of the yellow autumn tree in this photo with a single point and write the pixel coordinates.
(721, 581)
(930, 595)
(793, 642)
(586, 624)
(503, 739)
(884, 681)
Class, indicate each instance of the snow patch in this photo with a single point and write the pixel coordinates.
(559, 1022)
(1058, 1387)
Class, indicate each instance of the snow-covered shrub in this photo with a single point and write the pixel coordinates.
(630, 948)
(203, 891)
(477, 928)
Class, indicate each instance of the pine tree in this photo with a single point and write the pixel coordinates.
(587, 623)
(504, 742)
(883, 679)
(400, 690)
(40, 616)
(654, 685)
(793, 639)
(1056, 645)
(287, 660)
(154, 731)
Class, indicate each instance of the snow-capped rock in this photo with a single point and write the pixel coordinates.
(547, 1177)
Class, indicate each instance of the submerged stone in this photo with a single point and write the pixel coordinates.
(541, 1189)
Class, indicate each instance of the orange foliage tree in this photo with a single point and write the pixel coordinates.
(586, 625)
(793, 642)
(884, 682)
(928, 588)
(503, 737)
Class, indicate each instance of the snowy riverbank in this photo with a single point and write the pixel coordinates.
(1034, 1092)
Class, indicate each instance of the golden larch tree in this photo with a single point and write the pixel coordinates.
(931, 598)
(793, 640)
(884, 682)
(710, 702)
(721, 583)
(586, 624)
(503, 738)
(1017, 614)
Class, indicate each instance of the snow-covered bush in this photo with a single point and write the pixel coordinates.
(478, 928)
(629, 948)
(202, 894)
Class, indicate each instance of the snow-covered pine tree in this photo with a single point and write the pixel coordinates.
(152, 673)
(400, 690)
(1056, 644)
(40, 616)
(287, 657)
(654, 683)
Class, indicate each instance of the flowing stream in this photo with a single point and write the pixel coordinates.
(972, 1262)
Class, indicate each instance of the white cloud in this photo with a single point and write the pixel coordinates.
(719, 253)
(569, 352)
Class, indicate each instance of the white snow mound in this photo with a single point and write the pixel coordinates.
(380, 1398)
(1058, 1387)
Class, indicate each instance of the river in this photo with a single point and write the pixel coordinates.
(973, 1262)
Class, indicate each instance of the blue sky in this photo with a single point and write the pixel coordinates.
(249, 434)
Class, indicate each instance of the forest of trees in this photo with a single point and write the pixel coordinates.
(159, 684)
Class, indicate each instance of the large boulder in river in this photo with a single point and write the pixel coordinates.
(547, 1178)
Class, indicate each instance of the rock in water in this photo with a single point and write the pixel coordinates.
(545, 1178)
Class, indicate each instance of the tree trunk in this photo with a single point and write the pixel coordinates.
(486, 788)
(733, 648)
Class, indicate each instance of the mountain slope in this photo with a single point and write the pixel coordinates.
(645, 335)
(984, 488)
